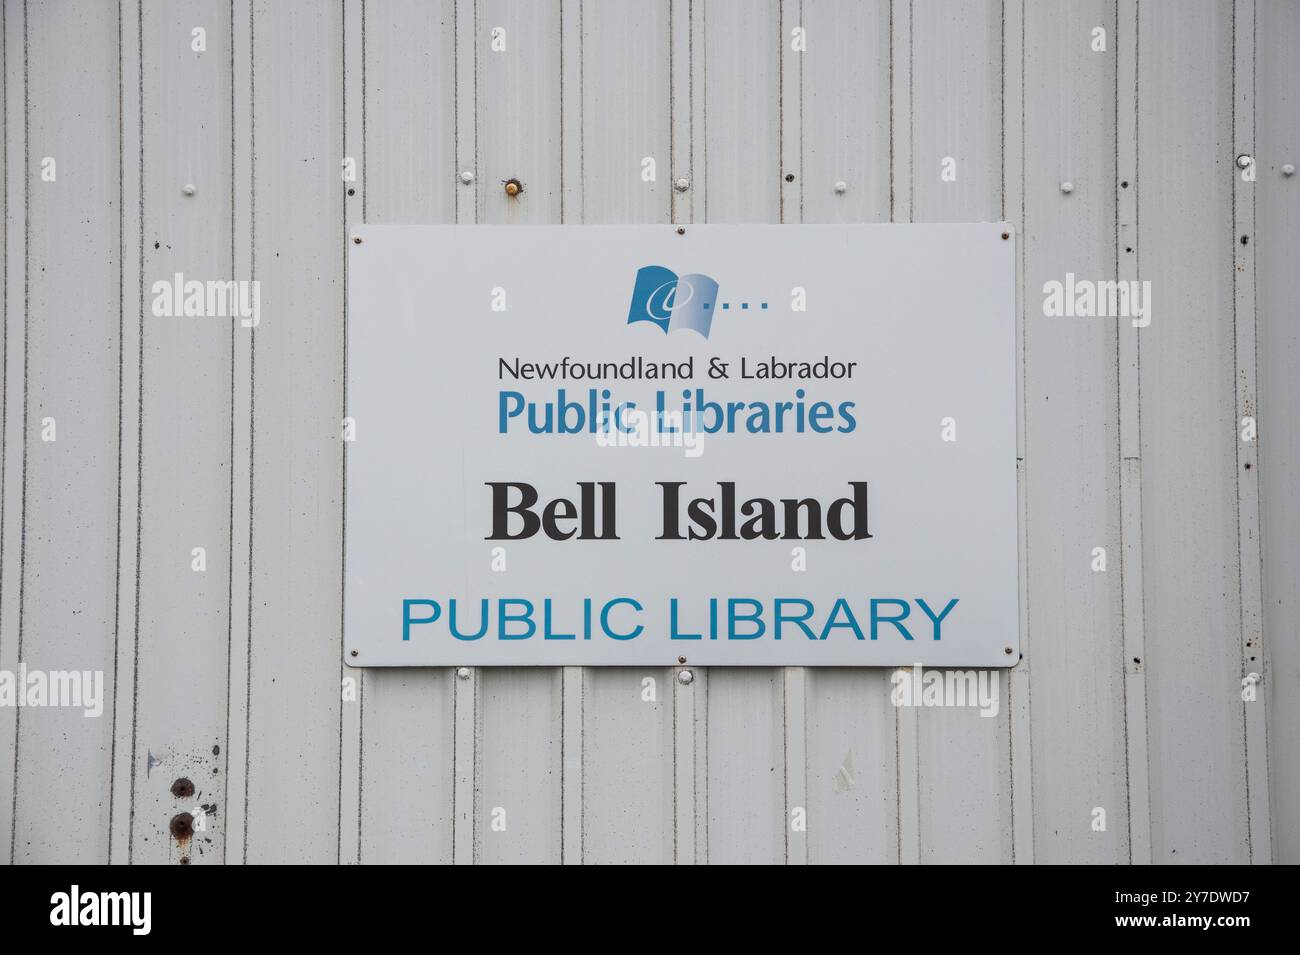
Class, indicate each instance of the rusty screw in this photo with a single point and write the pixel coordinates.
(182, 825)
(514, 187)
(182, 788)
(1006, 235)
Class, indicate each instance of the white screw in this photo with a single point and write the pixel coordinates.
(1067, 187)
(841, 187)
(189, 189)
(1244, 161)
(682, 184)
(463, 673)
(467, 177)
(1288, 169)
(685, 677)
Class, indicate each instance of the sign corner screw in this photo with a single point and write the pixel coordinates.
(356, 240)
(356, 652)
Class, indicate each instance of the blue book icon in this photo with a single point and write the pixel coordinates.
(672, 301)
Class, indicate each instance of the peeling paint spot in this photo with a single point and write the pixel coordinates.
(844, 780)
(150, 763)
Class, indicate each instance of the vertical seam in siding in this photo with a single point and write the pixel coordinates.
(1026, 734)
(351, 738)
(1129, 383)
(230, 549)
(139, 473)
(252, 410)
(121, 361)
(1246, 398)
(27, 296)
(4, 349)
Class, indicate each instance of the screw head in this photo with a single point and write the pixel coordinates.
(685, 677)
(1288, 169)
(682, 184)
(841, 187)
(789, 177)
(1005, 236)
(681, 230)
(463, 673)
(356, 240)
(182, 826)
(1008, 651)
(189, 189)
(356, 652)
(1244, 161)
(467, 177)
(514, 187)
(1067, 187)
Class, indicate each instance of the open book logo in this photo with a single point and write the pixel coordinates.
(672, 301)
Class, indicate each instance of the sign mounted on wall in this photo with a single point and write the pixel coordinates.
(738, 445)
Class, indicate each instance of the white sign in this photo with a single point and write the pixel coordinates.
(737, 445)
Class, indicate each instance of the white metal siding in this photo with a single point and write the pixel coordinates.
(176, 434)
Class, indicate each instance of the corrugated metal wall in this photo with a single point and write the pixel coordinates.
(181, 433)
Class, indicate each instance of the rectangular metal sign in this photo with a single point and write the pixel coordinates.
(738, 445)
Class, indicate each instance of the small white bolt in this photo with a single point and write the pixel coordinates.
(682, 184)
(467, 177)
(685, 677)
(1288, 169)
(189, 189)
(1244, 161)
(463, 673)
(841, 187)
(1067, 187)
